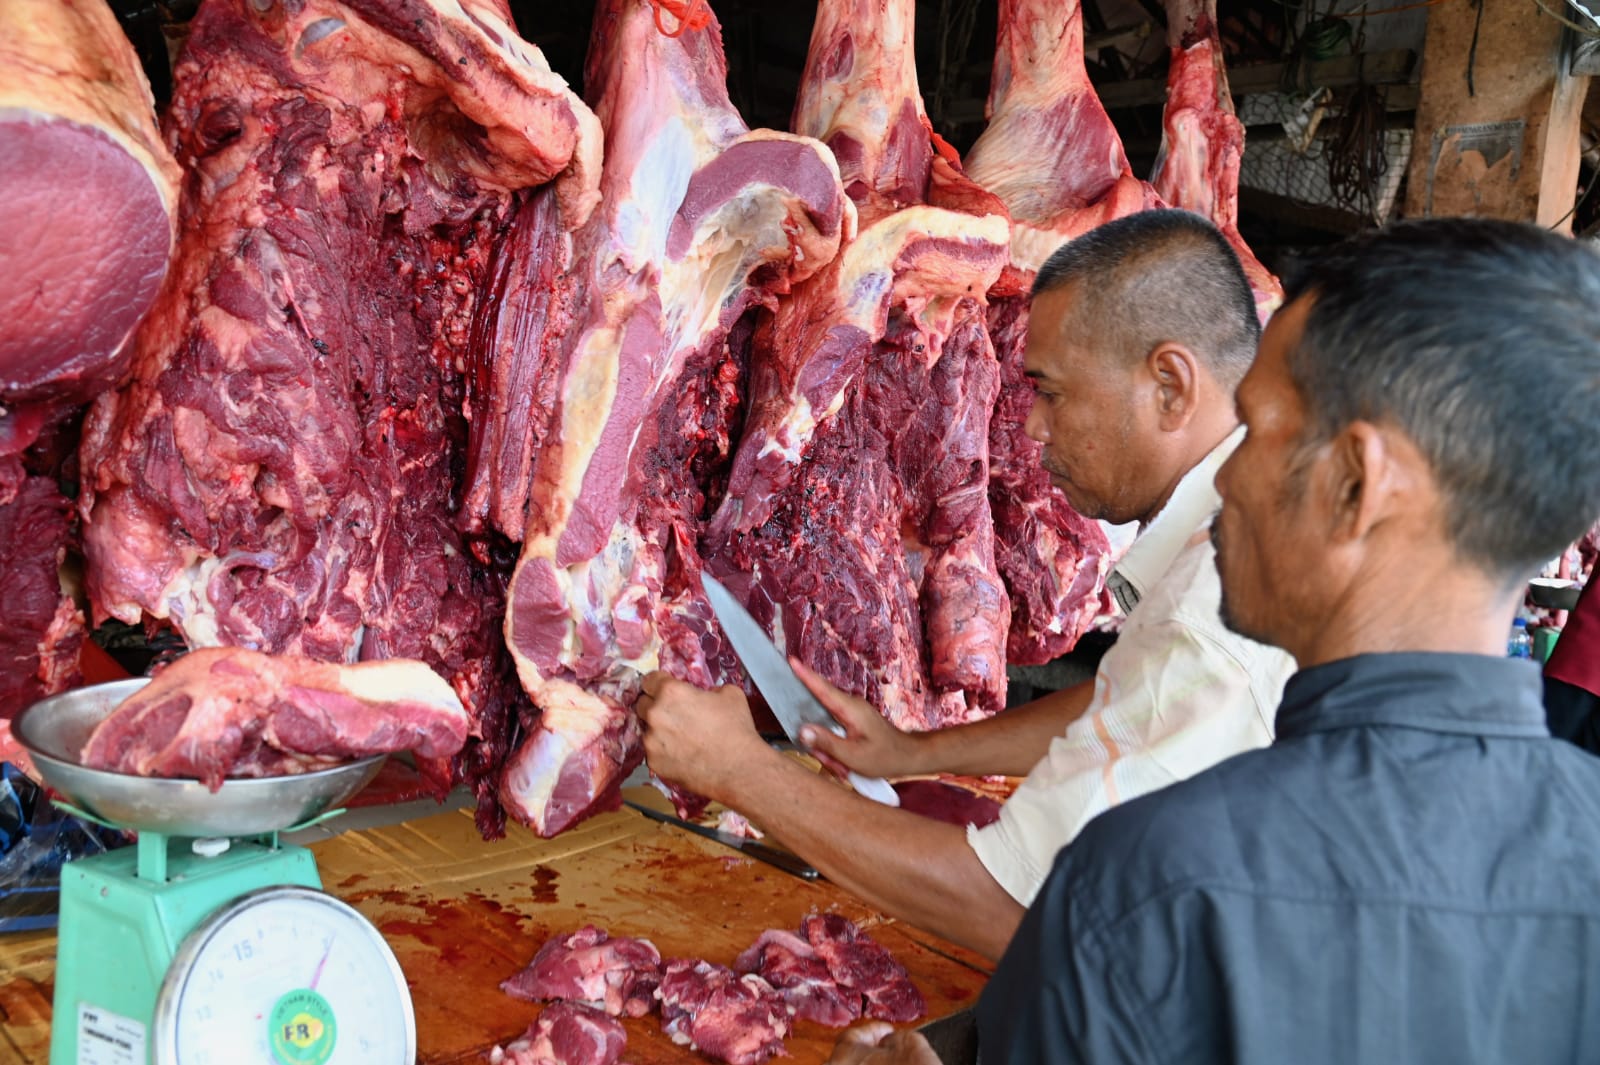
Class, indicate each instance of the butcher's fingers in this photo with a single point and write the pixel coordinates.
(870, 746)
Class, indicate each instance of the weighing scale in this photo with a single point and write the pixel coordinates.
(209, 942)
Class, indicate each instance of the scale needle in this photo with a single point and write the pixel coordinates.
(327, 948)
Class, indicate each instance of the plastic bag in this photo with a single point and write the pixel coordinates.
(35, 840)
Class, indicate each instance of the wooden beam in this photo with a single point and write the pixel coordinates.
(1496, 137)
(1275, 208)
(1392, 67)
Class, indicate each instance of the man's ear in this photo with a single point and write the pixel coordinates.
(1175, 371)
(1361, 480)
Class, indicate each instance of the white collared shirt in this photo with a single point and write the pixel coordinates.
(1176, 694)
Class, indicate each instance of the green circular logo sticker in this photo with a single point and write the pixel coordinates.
(303, 1029)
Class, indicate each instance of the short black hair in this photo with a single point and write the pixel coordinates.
(1154, 276)
(1480, 340)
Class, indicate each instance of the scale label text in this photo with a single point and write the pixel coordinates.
(106, 1038)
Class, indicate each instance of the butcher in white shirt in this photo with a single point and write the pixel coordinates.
(1138, 332)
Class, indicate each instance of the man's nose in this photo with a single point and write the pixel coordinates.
(1037, 428)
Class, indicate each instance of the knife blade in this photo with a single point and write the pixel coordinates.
(750, 848)
(790, 700)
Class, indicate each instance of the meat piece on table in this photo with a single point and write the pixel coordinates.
(800, 974)
(280, 471)
(637, 350)
(618, 976)
(741, 1020)
(856, 525)
(1202, 140)
(858, 962)
(566, 1033)
(227, 712)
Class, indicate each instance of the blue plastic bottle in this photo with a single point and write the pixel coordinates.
(1521, 643)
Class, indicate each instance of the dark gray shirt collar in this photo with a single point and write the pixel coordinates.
(1468, 694)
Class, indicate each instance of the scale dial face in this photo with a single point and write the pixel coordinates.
(284, 976)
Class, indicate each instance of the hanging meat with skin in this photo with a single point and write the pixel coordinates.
(1053, 157)
(82, 261)
(279, 473)
(1202, 140)
(701, 221)
(856, 525)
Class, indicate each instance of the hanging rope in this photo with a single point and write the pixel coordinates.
(690, 15)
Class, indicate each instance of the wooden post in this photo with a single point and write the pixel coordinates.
(1505, 146)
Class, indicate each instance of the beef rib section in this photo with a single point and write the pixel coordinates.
(701, 221)
(856, 525)
(279, 473)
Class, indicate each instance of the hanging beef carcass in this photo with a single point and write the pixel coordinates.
(856, 525)
(640, 357)
(1053, 157)
(86, 230)
(1202, 140)
(279, 473)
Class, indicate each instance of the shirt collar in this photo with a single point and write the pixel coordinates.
(1191, 507)
(1476, 695)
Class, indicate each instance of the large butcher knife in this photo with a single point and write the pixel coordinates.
(791, 701)
(789, 863)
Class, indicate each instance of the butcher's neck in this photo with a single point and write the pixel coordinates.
(1198, 441)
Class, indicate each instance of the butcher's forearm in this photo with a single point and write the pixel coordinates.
(913, 868)
(1010, 743)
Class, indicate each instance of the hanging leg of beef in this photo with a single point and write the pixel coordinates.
(280, 472)
(1202, 140)
(702, 220)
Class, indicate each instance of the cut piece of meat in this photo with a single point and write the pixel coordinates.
(860, 964)
(701, 221)
(856, 525)
(727, 1017)
(84, 257)
(280, 472)
(800, 974)
(946, 800)
(618, 976)
(227, 712)
(566, 1033)
(41, 630)
(1202, 140)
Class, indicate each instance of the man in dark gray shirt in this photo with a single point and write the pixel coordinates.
(1411, 872)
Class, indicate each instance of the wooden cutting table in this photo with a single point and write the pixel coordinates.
(462, 915)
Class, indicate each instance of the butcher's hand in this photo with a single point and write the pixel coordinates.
(870, 746)
(877, 1043)
(701, 740)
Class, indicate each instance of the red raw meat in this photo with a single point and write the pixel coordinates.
(84, 259)
(1202, 140)
(566, 1033)
(741, 1020)
(856, 525)
(279, 474)
(86, 224)
(618, 976)
(861, 964)
(791, 965)
(639, 350)
(227, 712)
(945, 801)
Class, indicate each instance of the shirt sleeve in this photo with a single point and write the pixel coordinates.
(1057, 995)
(1168, 703)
